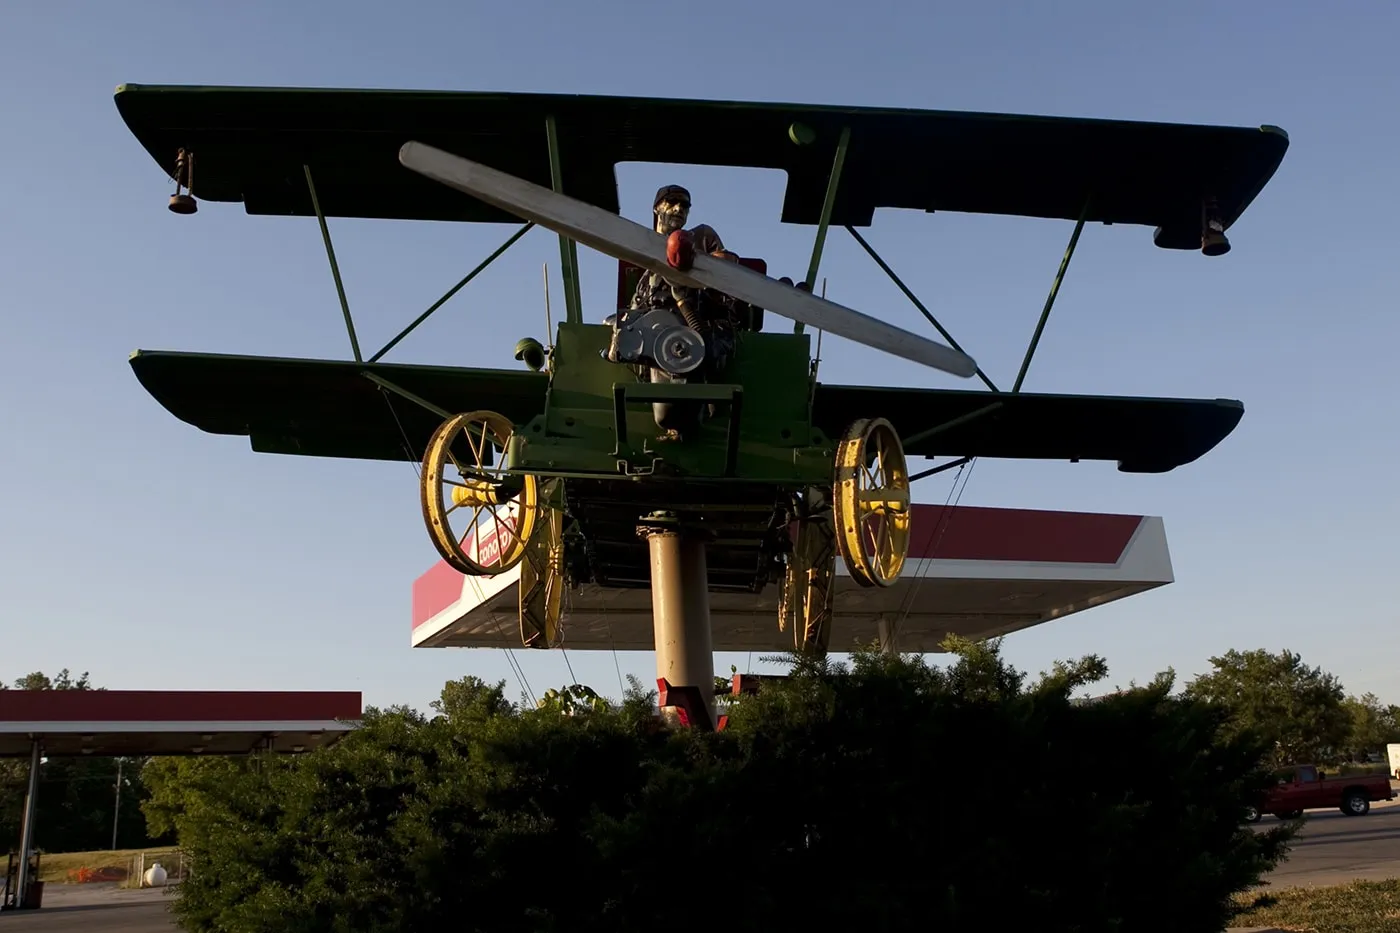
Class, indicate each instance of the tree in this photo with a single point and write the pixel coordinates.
(38, 680)
(1373, 726)
(830, 801)
(1297, 710)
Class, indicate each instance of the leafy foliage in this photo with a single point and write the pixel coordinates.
(1298, 710)
(1373, 726)
(827, 803)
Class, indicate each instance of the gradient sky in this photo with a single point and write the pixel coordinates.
(152, 555)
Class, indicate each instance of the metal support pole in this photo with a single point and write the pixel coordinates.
(937, 429)
(828, 205)
(117, 810)
(941, 468)
(568, 250)
(1050, 299)
(680, 606)
(453, 290)
(888, 630)
(26, 832)
(335, 267)
(879, 261)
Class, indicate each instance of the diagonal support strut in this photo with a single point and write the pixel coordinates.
(828, 205)
(481, 267)
(335, 267)
(915, 301)
(950, 424)
(1050, 299)
(568, 249)
(404, 393)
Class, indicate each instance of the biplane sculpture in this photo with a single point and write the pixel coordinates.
(682, 443)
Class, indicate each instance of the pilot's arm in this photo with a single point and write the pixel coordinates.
(682, 245)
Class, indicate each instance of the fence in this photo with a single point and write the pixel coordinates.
(176, 865)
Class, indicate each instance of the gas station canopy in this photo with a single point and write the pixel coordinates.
(971, 571)
(171, 722)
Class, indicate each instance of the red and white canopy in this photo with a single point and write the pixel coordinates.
(172, 722)
(971, 571)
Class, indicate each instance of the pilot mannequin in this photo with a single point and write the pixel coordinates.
(707, 311)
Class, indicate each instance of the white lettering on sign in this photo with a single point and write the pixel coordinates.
(488, 547)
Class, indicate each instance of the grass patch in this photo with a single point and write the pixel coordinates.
(1359, 907)
(107, 865)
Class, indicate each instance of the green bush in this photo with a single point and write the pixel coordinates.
(831, 801)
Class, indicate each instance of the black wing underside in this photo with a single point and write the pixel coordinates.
(250, 146)
(1142, 435)
(329, 408)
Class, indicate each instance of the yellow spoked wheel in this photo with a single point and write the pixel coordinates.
(542, 578)
(464, 478)
(872, 502)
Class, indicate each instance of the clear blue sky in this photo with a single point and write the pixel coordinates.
(137, 548)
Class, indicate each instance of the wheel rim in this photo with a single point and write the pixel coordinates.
(542, 582)
(464, 475)
(872, 502)
(805, 600)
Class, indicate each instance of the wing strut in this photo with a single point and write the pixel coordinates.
(335, 267)
(828, 204)
(568, 249)
(1050, 299)
(916, 302)
(481, 266)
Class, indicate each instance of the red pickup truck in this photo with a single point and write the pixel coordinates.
(1304, 787)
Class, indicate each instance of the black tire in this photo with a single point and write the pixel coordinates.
(1252, 814)
(1355, 803)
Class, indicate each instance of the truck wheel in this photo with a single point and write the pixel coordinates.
(1355, 803)
(1252, 814)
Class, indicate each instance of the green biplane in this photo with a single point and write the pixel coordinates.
(568, 463)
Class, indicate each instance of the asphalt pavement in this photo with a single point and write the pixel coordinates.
(1335, 849)
(94, 908)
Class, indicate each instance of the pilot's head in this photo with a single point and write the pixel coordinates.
(670, 209)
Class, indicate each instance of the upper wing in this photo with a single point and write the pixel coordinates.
(328, 408)
(250, 145)
(1144, 435)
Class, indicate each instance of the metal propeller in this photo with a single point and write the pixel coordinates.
(623, 239)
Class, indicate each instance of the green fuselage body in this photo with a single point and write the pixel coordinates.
(598, 420)
(733, 478)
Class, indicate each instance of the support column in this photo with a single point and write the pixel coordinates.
(26, 832)
(680, 606)
(889, 634)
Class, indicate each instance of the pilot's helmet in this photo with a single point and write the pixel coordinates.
(678, 201)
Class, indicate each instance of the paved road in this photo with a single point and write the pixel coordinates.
(94, 908)
(1334, 849)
